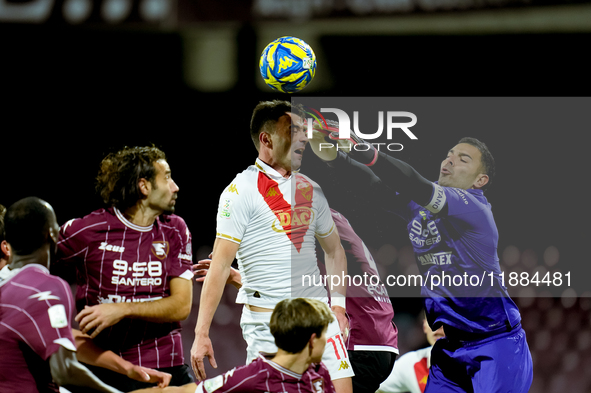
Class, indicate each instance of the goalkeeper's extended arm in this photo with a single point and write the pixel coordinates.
(385, 170)
(394, 174)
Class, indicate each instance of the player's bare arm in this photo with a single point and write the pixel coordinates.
(336, 264)
(224, 252)
(66, 370)
(176, 307)
(90, 353)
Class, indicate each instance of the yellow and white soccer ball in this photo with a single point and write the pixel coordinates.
(288, 64)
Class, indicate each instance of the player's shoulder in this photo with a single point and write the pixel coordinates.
(339, 218)
(172, 220)
(319, 368)
(301, 178)
(37, 278)
(468, 197)
(88, 221)
(239, 376)
(243, 183)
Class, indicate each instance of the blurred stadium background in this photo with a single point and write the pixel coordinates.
(80, 78)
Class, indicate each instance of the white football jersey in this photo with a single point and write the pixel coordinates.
(275, 220)
(409, 374)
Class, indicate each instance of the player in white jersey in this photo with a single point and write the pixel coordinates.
(411, 371)
(256, 213)
(268, 218)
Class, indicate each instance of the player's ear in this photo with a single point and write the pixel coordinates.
(145, 186)
(265, 140)
(481, 181)
(311, 343)
(5, 248)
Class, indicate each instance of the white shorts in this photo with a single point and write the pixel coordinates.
(258, 337)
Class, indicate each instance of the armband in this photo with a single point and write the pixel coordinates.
(437, 199)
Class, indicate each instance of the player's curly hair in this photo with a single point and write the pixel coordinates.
(487, 161)
(119, 174)
(294, 320)
(267, 113)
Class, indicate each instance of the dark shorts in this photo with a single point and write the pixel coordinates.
(371, 369)
(180, 376)
(501, 363)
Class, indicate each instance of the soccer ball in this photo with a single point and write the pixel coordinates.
(288, 64)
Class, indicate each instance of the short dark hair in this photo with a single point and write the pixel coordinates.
(487, 161)
(294, 320)
(267, 113)
(27, 225)
(119, 174)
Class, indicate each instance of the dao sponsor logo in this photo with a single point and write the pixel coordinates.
(344, 129)
(291, 220)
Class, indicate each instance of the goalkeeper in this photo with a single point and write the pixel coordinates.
(453, 233)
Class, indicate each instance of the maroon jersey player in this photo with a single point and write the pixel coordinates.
(373, 339)
(299, 326)
(133, 265)
(36, 341)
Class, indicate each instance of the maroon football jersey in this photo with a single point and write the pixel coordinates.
(263, 375)
(118, 261)
(368, 305)
(35, 313)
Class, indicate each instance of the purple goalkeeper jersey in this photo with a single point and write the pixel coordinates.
(35, 313)
(118, 261)
(456, 248)
(368, 305)
(264, 375)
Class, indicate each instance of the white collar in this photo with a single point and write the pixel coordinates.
(280, 368)
(268, 170)
(6, 273)
(130, 224)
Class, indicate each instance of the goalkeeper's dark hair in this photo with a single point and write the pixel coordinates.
(119, 174)
(487, 161)
(26, 223)
(266, 114)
